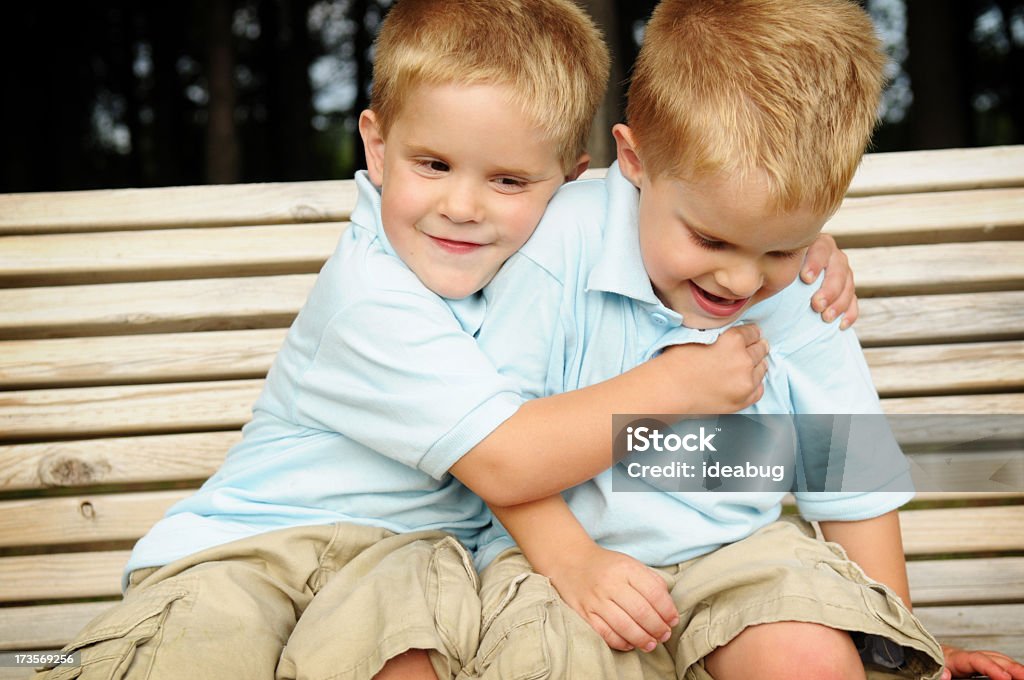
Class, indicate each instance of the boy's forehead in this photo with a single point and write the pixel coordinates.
(443, 118)
(738, 208)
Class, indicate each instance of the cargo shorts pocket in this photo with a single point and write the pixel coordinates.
(108, 644)
(515, 644)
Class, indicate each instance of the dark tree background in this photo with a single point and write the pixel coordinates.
(116, 93)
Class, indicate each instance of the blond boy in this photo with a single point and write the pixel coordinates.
(747, 120)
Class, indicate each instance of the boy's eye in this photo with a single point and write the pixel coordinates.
(785, 254)
(433, 165)
(510, 183)
(706, 243)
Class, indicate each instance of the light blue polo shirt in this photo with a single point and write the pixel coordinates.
(378, 389)
(575, 307)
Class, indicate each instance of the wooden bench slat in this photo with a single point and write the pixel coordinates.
(127, 516)
(928, 319)
(193, 457)
(226, 355)
(170, 207)
(247, 353)
(298, 248)
(996, 626)
(223, 405)
(166, 254)
(996, 579)
(123, 359)
(153, 307)
(981, 404)
(939, 170)
(947, 369)
(991, 214)
(938, 268)
(126, 410)
(217, 304)
(908, 172)
(66, 520)
(969, 470)
(956, 530)
(62, 576)
(46, 626)
(118, 460)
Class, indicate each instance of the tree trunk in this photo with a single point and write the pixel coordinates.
(600, 145)
(939, 65)
(222, 150)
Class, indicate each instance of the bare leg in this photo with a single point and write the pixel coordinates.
(412, 665)
(787, 650)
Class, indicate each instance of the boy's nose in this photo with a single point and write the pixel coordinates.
(742, 279)
(460, 203)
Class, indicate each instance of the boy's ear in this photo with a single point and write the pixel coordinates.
(581, 165)
(630, 165)
(373, 145)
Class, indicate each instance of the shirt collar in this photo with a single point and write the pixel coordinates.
(366, 214)
(620, 266)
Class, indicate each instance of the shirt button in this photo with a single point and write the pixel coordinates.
(659, 319)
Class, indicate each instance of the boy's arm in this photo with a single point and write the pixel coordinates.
(836, 297)
(877, 546)
(513, 464)
(625, 601)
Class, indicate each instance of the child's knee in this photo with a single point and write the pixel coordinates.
(412, 665)
(788, 650)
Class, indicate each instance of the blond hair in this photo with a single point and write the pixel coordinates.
(547, 52)
(789, 88)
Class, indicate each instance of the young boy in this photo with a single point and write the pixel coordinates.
(333, 540)
(747, 120)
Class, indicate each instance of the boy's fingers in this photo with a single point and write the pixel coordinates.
(628, 629)
(841, 303)
(655, 591)
(749, 333)
(818, 254)
(760, 371)
(647, 620)
(610, 637)
(758, 351)
(851, 315)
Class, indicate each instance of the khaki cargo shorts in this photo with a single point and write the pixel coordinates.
(334, 601)
(779, 573)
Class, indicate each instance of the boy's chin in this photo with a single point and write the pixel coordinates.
(457, 290)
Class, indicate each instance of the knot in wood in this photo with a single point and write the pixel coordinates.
(87, 510)
(65, 470)
(306, 213)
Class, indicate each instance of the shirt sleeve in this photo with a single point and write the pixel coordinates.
(849, 442)
(396, 372)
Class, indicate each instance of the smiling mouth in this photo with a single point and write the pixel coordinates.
(715, 304)
(457, 247)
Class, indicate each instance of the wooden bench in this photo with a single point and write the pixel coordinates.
(136, 327)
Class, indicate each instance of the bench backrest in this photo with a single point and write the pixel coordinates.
(136, 327)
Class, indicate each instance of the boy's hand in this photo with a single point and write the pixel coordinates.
(965, 663)
(734, 368)
(836, 295)
(625, 601)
